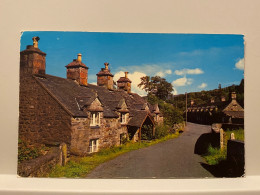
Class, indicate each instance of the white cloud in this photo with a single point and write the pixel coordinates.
(149, 69)
(160, 74)
(188, 71)
(163, 73)
(182, 82)
(168, 71)
(203, 85)
(175, 92)
(135, 78)
(240, 64)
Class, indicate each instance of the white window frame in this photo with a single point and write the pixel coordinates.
(94, 119)
(157, 117)
(93, 145)
(123, 118)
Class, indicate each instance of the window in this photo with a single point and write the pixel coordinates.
(93, 145)
(95, 119)
(157, 117)
(123, 118)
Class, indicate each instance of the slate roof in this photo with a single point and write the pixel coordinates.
(74, 97)
(68, 93)
(104, 72)
(76, 63)
(220, 105)
(32, 49)
(230, 108)
(124, 80)
(235, 114)
(138, 119)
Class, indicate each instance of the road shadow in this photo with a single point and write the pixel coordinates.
(203, 142)
(224, 169)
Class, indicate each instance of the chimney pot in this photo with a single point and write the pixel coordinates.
(233, 95)
(79, 57)
(126, 73)
(35, 41)
(106, 65)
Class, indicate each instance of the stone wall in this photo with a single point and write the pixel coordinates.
(41, 166)
(41, 118)
(236, 156)
(108, 134)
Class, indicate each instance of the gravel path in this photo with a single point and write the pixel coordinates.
(170, 159)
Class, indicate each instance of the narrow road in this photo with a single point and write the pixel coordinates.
(170, 159)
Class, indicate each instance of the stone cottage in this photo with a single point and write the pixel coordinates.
(217, 111)
(86, 117)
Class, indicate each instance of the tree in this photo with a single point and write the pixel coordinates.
(157, 86)
(172, 115)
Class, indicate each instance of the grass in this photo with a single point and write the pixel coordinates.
(215, 155)
(79, 167)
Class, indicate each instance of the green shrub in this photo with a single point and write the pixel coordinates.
(239, 134)
(215, 155)
(161, 131)
(27, 151)
(147, 132)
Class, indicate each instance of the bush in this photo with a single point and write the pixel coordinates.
(27, 151)
(147, 132)
(171, 114)
(161, 131)
(215, 155)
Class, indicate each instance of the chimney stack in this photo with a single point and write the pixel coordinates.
(78, 71)
(32, 60)
(124, 83)
(233, 95)
(105, 77)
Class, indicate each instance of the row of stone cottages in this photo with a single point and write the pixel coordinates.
(86, 117)
(228, 112)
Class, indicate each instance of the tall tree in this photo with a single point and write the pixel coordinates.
(157, 86)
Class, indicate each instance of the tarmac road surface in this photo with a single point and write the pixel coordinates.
(174, 158)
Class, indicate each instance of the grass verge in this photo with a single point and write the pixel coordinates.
(215, 155)
(79, 167)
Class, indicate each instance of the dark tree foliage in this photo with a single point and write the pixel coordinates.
(172, 115)
(157, 86)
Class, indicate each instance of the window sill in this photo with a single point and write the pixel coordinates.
(94, 127)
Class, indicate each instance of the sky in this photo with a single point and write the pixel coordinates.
(191, 62)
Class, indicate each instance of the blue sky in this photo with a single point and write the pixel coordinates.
(191, 62)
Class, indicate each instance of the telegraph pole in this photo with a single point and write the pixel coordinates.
(186, 108)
